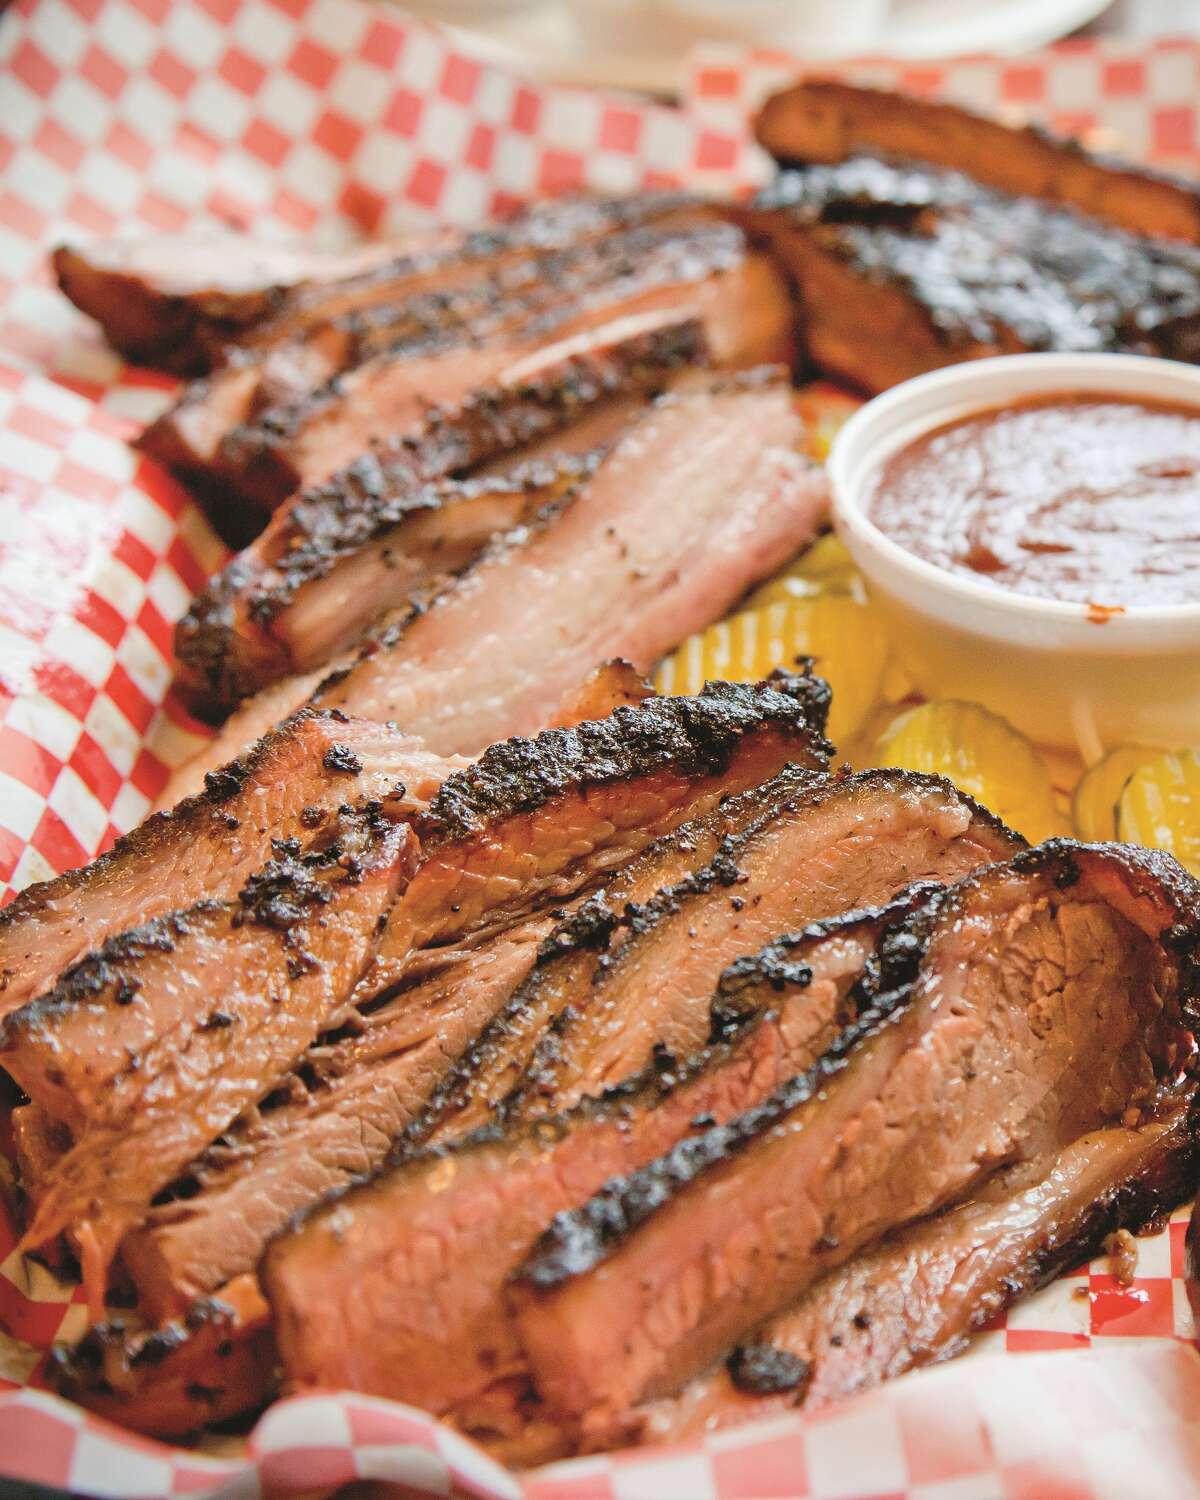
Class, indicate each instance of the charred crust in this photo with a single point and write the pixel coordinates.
(576, 1242)
(985, 268)
(694, 735)
(106, 971)
(341, 760)
(589, 927)
(764, 1370)
(281, 895)
(220, 787)
(642, 256)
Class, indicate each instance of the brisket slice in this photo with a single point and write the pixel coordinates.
(919, 1295)
(126, 1050)
(1029, 1004)
(602, 574)
(419, 1256)
(261, 385)
(815, 848)
(738, 297)
(572, 957)
(534, 821)
(179, 301)
(324, 530)
(263, 618)
(174, 301)
(334, 1118)
(451, 259)
(825, 120)
(282, 788)
(902, 268)
(214, 1361)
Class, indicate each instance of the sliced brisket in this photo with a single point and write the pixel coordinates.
(174, 301)
(283, 788)
(918, 1296)
(902, 268)
(577, 952)
(581, 401)
(179, 301)
(535, 820)
(263, 396)
(603, 574)
(706, 275)
(151, 1047)
(826, 120)
(815, 848)
(421, 1254)
(1030, 1004)
(274, 612)
(335, 1118)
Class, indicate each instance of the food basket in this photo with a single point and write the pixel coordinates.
(332, 119)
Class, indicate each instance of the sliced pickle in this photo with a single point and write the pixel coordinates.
(845, 639)
(824, 568)
(1094, 803)
(1160, 807)
(983, 755)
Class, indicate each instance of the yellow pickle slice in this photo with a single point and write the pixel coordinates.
(844, 637)
(824, 568)
(983, 755)
(1160, 807)
(1094, 803)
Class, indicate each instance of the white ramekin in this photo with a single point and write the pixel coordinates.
(1049, 667)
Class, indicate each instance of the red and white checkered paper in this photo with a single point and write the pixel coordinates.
(331, 118)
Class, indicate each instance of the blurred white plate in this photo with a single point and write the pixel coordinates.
(637, 44)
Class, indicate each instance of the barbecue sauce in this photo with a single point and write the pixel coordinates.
(1085, 498)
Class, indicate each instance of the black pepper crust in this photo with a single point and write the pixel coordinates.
(605, 271)
(390, 483)
(219, 787)
(284, 895)
(986, 268)
(645, 1090)
(787, 793)
(576, 1242)
(694, 735)
(523, 1018)
(763, 1370)
(782, 965)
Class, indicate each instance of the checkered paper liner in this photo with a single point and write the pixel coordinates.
(331, 118)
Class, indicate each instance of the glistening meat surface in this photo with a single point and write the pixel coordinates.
(180, 301)
(580, 947)
(337, 1117)
(825, 120)
(814, 849)
(603, 575)
(460, 305)
(424, 1252)
(150, 1048)
(1044, 1004)
(739, 299)
(533, 821)
(207, 846)
(918, 1296)
(319, 537)
(257, 622)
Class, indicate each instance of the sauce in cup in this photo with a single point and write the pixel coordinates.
(1080, 497)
